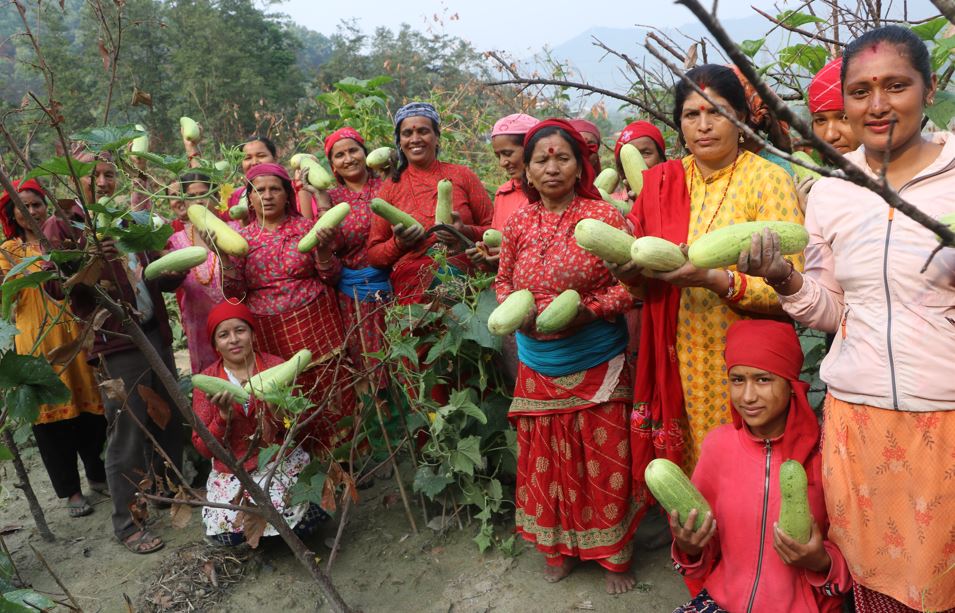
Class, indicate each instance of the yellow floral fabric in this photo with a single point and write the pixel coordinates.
(35, 314)
(755, 190)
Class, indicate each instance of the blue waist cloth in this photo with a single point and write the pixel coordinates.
(593, 344)
(364, 282)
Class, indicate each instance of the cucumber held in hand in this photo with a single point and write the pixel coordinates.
(722, 247)
(511, 314)
(559, 313)
(393, 214)
(603, 240)
(316, 175)
(795, 518)
(633, 166)
(176, 261)
(240, 210)
(379, 158)
(140, 143)
(189, 129)
(801, 171)
(226, 239)
(673, 490)
(213, 385)
(492, 238)
(607, 180)
(657, 254)
(280, 376)
(445, 205)
(332, 218)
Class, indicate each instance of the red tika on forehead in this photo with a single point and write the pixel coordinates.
(550, 150)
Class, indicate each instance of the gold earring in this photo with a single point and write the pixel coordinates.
(741, 138)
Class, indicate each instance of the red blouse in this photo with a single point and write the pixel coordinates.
(416, 194)
(539, 253)
(243, 426)
(274, 277)
(357, 225)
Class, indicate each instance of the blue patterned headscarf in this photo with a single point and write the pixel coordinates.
(413, 109)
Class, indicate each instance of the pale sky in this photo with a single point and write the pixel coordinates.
(520, 27)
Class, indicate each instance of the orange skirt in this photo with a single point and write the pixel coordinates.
(889, 480)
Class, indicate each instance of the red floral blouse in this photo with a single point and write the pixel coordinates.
(357, 225)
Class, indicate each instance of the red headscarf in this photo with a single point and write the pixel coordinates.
(340, 134)
(758, 109)
(224, 311)
(634, 131)
(272, 169)
(662, 209)
(585, 186)
(584, 125)
(9, 223)
(774, 347)
(825, 91)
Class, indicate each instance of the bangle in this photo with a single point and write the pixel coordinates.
(785, 280)
(192, 156)
(297, 185)
(732, 284)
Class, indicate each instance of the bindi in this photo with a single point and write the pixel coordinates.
(550, 150)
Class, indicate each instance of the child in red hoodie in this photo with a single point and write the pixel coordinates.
(745, 562)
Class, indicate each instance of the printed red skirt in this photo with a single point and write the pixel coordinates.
(317, 327)
(364, 327)
(575, 495)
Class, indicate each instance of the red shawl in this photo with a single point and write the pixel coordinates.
(659, 420)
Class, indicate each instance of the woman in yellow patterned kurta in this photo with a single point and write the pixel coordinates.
(66, 430)
(681, 386)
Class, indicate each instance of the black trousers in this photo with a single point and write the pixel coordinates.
(61, 441)
(130, 454)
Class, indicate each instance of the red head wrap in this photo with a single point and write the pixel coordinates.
(9, 223)
(758, 109)
(634, 131)
(337, 135)
(585, 187)
(774, 347)
(584, 125)
(825, 91)
(224, 311)
(272, 169)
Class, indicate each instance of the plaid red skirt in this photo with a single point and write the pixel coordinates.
(317, 327)
(574, 491)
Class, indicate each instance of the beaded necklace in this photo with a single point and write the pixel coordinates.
(725, 189)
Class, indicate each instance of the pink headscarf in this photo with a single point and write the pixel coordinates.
(340, 134)
(636, 130)
(272, 169)
(517, 125)
(583, 125)
(825, 91)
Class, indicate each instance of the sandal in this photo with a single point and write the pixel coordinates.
(79, 508)
(145, 543)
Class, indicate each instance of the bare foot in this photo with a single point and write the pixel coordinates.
(619, 583)
(553, 574)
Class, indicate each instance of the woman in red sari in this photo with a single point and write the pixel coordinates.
(572, 399)
(292, 294)
(413, 188)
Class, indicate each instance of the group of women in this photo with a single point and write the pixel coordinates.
(699, 366)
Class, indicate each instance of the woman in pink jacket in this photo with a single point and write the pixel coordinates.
(889, 425)
(747, 563)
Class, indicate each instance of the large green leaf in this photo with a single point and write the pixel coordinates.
(752, 47)
(310, 484)
(429, 483)
(942, 110)
(794, 19)
(135, 238)
(471, 447)
(811, 57)
(29, 381)
(60, 166)
(8, 332)
(11, 288)
(30, 600)
(107, 138)
(930, 29)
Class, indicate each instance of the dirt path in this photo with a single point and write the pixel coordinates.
(383, 567)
